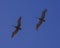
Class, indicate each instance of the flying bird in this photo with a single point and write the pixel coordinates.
(18, 27)
(41, 20)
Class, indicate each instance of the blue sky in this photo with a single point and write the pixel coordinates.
(48, 35)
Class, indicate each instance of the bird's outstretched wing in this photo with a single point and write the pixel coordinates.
(43, 13)
(39, 24)
(19, 22)
(14, 33)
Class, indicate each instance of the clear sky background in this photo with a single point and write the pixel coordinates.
(48, 35)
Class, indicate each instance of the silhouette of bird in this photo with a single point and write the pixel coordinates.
(18, 27)
(41, 20)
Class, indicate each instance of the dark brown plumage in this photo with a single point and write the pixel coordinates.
(18, 27)
(41, 20)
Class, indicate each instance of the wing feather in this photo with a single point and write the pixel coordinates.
(38, 24)
(14, 33)
(44, 13)
(19, 22)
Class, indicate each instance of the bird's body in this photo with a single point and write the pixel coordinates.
(41, 20)
(18, 27)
